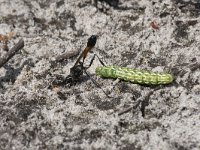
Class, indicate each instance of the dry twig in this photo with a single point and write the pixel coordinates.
(11, 52)
(129, 108)
(66, 55)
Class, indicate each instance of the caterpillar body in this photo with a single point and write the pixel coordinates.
(134, 75)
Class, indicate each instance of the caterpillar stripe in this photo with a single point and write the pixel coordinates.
(134, 75)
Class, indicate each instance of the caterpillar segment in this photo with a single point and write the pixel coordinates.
(134, 75)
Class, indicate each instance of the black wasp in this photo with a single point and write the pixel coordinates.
(78, 69)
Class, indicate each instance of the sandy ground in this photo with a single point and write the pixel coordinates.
(34, 116)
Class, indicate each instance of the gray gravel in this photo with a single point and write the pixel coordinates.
(34, 116)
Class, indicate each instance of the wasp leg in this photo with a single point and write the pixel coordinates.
(95, 55)
(95, 83)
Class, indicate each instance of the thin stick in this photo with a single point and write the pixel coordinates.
(125, 110)
(129, 109)
(66, 55)
(11, 52)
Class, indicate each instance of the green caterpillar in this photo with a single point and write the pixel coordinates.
(134, 75)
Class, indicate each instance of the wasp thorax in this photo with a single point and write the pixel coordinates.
(76, 71)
